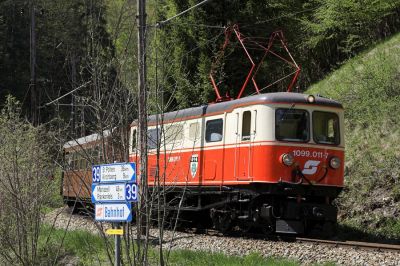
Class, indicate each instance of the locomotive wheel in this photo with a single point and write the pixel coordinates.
(329, 229)
(267, 229)
(222, 221)
(246, 227)
(225, 223)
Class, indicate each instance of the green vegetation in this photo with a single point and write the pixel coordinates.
(192, 258)
(89, 249)
(321, 34)
(368, 86)
(95, 41)
(25, 184)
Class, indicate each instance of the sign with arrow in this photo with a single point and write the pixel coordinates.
(116, 172)
(114, 192)
(113, 212)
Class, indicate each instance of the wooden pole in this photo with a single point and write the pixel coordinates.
(142, 119)
(32, 46)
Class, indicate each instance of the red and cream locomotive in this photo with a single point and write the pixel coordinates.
(271, 161)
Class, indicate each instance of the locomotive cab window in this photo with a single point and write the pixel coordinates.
(214, 130)
(326, 128)
(292, 125)
(246, 125)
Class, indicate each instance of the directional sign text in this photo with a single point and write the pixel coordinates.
(116, 172)
(113, 212)
(114, 192)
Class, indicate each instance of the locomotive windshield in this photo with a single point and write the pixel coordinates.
(292, 125)
(326, 128)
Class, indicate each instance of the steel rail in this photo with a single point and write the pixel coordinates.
(352, 244)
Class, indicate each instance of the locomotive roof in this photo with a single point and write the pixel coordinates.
(276, 97)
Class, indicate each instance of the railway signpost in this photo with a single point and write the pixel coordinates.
(116, 172)
(113, 212)
(113, 189)
(114, 192)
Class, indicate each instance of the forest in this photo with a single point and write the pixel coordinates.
(87, 49)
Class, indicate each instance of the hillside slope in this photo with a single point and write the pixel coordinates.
(369, 88)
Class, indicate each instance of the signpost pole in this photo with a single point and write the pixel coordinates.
(117, 246)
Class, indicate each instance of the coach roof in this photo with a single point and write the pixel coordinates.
(276, 97)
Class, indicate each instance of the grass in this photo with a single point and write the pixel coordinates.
(368, 86)
(55, 200)
(90, 249)
(193, 258)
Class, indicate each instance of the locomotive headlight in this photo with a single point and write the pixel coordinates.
(287, 159)
(311, 99)
(334, 162)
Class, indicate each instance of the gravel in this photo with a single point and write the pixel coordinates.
(305, 253)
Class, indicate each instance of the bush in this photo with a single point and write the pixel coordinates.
(25, 185)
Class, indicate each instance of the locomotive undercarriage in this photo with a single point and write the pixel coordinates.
(268, 208)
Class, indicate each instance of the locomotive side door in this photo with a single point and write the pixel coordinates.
(245, 135)
(213, 151)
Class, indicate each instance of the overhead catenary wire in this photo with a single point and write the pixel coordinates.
(280, 17)
(68, 93)
(181, 13)
(247, 25)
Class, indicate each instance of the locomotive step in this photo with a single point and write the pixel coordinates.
(244, 200)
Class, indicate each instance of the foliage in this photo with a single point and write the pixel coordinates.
(320, 34)
(58, 245)
(187, 257)
(368, 88)
(70, 35)
(80, 41)
(25, 185)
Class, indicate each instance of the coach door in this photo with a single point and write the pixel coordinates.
(245, 134)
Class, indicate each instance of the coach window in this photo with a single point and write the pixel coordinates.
(68, 158)
(326, 128)
(96, 154)
(214, 130)
(292, 125)
(153, 137)
(246, 125)
(133, 140)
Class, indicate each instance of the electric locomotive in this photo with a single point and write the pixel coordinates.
(272, 162)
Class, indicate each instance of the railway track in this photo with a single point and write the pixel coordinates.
(334, 243)
(352, 244)
(326, 242)
(307, 251)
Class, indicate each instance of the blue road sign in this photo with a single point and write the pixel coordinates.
(115, 172)
(114, 192)
(113, 212)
